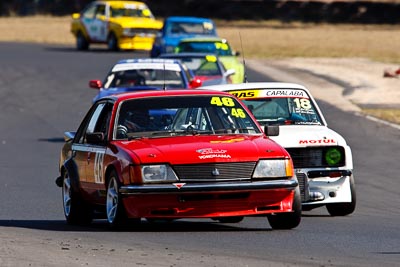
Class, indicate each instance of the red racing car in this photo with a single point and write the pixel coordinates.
(175, 154)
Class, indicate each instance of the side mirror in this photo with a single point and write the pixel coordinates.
(196, 82)
(271, 130)
(96, 138)
(229, 72)
(95, 84)
(68, 136)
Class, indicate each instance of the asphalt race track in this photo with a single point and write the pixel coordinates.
(44, 92)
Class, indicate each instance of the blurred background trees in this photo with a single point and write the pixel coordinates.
(34, 7)
(341, 11)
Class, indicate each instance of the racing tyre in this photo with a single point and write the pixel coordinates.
(287, 220)
(116, 215)
(81, 42)
(76, 211)
(112, 42)
(343, 209)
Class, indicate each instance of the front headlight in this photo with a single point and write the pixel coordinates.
(334, 156)
(273, 169)
(128, 32)
(158, 174)
(169, 49)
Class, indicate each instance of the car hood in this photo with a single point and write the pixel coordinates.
(203, 149)
(143, 23)
(308, 135)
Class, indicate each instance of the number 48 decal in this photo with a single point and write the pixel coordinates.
(222, 101)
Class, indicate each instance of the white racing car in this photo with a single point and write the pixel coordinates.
(322, 159)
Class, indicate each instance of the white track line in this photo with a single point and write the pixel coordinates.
(396, 126)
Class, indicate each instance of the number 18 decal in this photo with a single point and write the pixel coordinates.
(99, 168)
(302, 103)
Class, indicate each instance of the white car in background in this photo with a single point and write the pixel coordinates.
(322, 159)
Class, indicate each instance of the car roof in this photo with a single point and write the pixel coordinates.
(147, 60)
(142, 63)
(163, 93)
(187, 19)
(255, 86)
(118, 3)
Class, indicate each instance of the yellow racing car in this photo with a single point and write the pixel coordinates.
(122, 25)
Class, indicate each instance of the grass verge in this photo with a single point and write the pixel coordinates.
(391, 115)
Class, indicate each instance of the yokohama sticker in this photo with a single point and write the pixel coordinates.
(209, 153)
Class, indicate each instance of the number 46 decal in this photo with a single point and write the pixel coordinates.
(238, 112)
(228, 102)
(99, 168)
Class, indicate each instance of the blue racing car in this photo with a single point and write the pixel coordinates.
(177, 28)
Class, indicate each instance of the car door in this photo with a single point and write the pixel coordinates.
(95, 20)
(95, 158)
(89, 157)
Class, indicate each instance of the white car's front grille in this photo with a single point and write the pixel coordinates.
(314, 157)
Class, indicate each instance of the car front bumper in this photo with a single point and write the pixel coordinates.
(317, 187)
(136, 43)
(209, 200)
